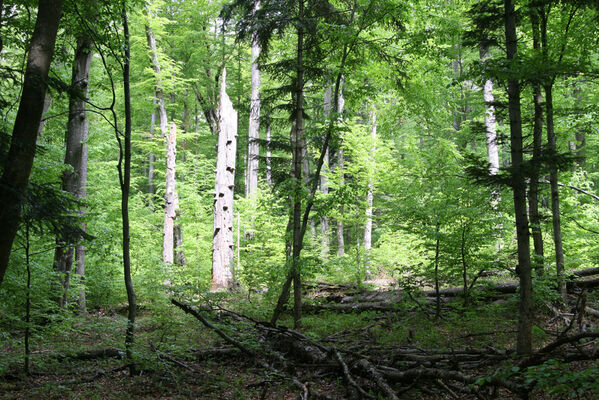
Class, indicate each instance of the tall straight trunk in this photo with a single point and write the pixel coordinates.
(525, 315)
(491, 137)
(553, 174)
(170, 138)
(369, 199)
(490, 120)
(297, 171)
(125, 182)
(553, 179)
(170, 197)
(47, 105)
(19, 160)
(251, 184)
(537, 149)
(324, 184)
(222, 243)
(340, 168)
(269, 180)
(152, 158)
(74, 179)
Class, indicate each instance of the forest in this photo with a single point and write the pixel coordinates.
(299, 199)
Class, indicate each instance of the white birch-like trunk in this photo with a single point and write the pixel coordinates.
(170, 197)
(490, 120)
(251, 184)
(222, 244)
(340, 167)
(369, 201)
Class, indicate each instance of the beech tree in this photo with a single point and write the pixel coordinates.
(17, 166)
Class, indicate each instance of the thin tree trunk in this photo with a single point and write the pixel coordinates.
(297, 174)
(170, 197)
(74, 179)
(19, 160)
(553, 179)
(324, 184)
(533, 192)
(269, 180)
(222, 244)
(369, 200)
(251, 185)
(152, 159)
(340, 168)
(125, 182)
(525, 315)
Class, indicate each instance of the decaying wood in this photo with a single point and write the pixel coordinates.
(396, 370)
(87, 355)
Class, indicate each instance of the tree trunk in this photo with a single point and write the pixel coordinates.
(170, 137)
(152, 160)
(125, 182)
(74, 179)
(170, 197)
(340, 168)
(297, 172)
(269, 180)
(369, 200)
(525, 317)
(555, 213)
(491, 137)
(537, 131)
(222, 244)
(19, 160)
(553, 174)
(251, 184)
(324, 184)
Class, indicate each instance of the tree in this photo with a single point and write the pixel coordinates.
(222, 245)
(524, 345)
(17, 166)
(251, 184)
(74, 178)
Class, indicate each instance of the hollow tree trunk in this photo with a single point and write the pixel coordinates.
(19, 160)
(525, 315)
(222, 244)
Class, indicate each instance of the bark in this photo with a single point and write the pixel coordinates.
(324, 184)
(251, 185)
(537, 131)
(125, 182)
(170, 138)
(340, 168)
(152, 159)
(553, 173)
(268, 154)
(19, 160)
(222, 244)
(369, 201)
(170, 197)
(74, 179)
(525, 315)
(47, 105)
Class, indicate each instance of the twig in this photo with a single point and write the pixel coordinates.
(378, 378)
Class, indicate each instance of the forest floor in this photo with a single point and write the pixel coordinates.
(178, 358)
